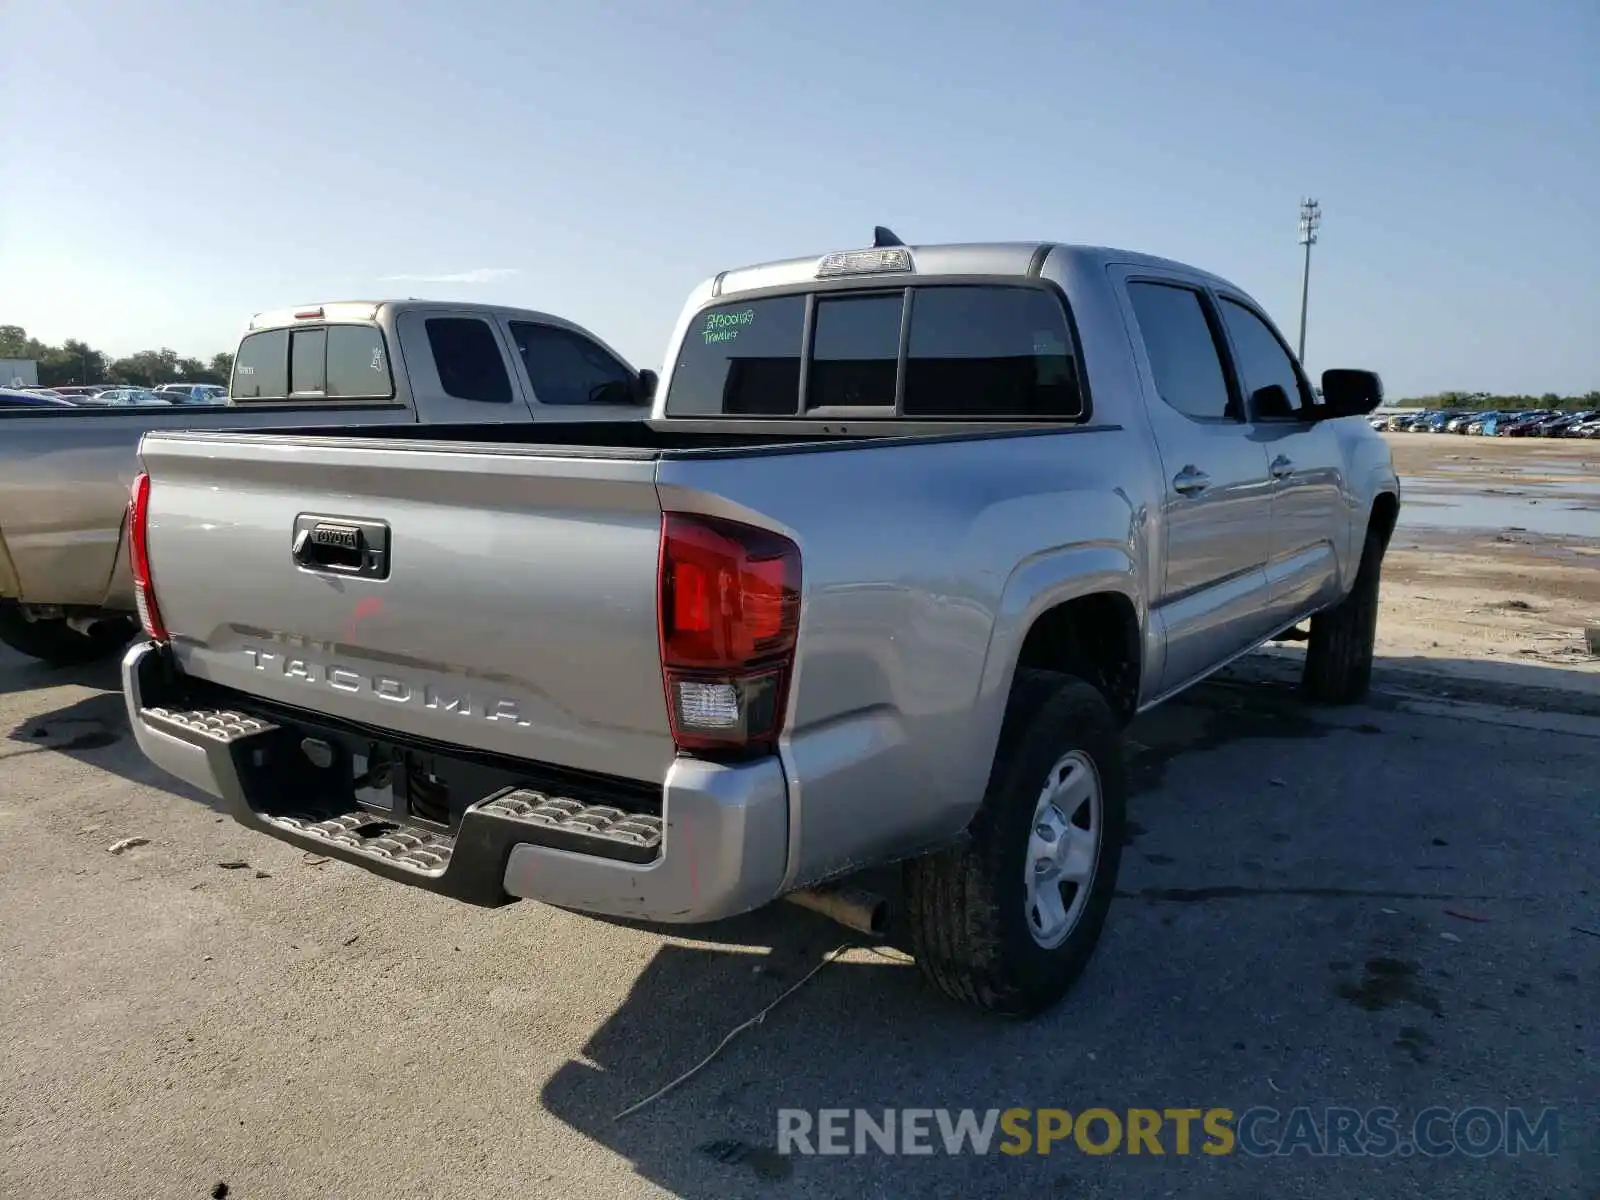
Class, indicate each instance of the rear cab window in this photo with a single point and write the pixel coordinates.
(931, 351)
(1008, 348)
(261, 366)
(345, 362)
(855, 351)
(741, 360)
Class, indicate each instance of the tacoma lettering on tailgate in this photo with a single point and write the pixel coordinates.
(383, 686)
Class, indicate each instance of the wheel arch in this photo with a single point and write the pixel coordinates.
(1081, 612)
(1384, 514)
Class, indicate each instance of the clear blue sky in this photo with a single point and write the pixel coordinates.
(171, 166)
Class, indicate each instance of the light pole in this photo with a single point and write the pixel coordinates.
(1310, 219)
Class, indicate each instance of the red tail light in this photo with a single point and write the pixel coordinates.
(729, 611)
(144, 592)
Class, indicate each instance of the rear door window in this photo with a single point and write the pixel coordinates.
(990, 353)
(466, 355)
(567, 368)
(1182, 350)
(855, 352)
(261, 366)
(741, 360)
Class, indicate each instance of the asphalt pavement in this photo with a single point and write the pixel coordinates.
(1393, 907)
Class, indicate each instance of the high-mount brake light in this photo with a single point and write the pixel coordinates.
(865, 262)
(308, 314)
(144, 591)
(729, 611)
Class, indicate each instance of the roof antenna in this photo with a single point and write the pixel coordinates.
(882, 235)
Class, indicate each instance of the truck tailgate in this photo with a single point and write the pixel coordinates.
(516, 615)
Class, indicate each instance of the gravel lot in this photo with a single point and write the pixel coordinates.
(1286, 938)
(1495, 570)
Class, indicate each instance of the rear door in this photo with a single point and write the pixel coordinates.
(1216, 507)
(1310, 524)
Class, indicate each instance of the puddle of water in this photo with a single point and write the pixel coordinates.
(1575, 489)
(1448, 509)
(1526, 466)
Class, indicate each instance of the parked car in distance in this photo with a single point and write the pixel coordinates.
(125, 397)
(1588, 428)
(80, 389)
(1524, 424)
(1570, 421)
(66, 593)
(194, 393)
(1438, 422)
(29, 398)
(913, 533)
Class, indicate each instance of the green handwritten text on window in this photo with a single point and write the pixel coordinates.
(725, 326)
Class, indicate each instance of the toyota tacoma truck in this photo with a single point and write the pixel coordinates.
(911, 534)
(65, 592)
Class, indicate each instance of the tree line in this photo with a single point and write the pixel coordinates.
(1487, 402)
(76, 362)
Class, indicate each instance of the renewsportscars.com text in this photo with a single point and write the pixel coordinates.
(1258, 1132)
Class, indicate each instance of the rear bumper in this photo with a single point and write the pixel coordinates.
(722, 851)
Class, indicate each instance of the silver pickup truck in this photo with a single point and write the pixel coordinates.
(912, 533)
(65, 593)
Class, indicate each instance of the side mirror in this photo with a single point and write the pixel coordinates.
(647, 386)
(1347, 392)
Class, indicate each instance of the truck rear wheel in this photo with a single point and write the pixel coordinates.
(1007, 921)
(54, 641)
(1339, 653)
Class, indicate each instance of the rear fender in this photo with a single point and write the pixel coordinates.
(1037, 585)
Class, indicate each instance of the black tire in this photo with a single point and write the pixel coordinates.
(1338, 666)
(59, 644)
(967, 916)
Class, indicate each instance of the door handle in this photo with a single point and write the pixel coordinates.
(1282, 467)
(341, 546)
(1191, 480)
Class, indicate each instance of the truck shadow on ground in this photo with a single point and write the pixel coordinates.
(19, 674)
(94, 730)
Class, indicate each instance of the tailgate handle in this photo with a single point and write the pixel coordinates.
(342, 545)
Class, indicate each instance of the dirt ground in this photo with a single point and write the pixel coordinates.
(1487, 599)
